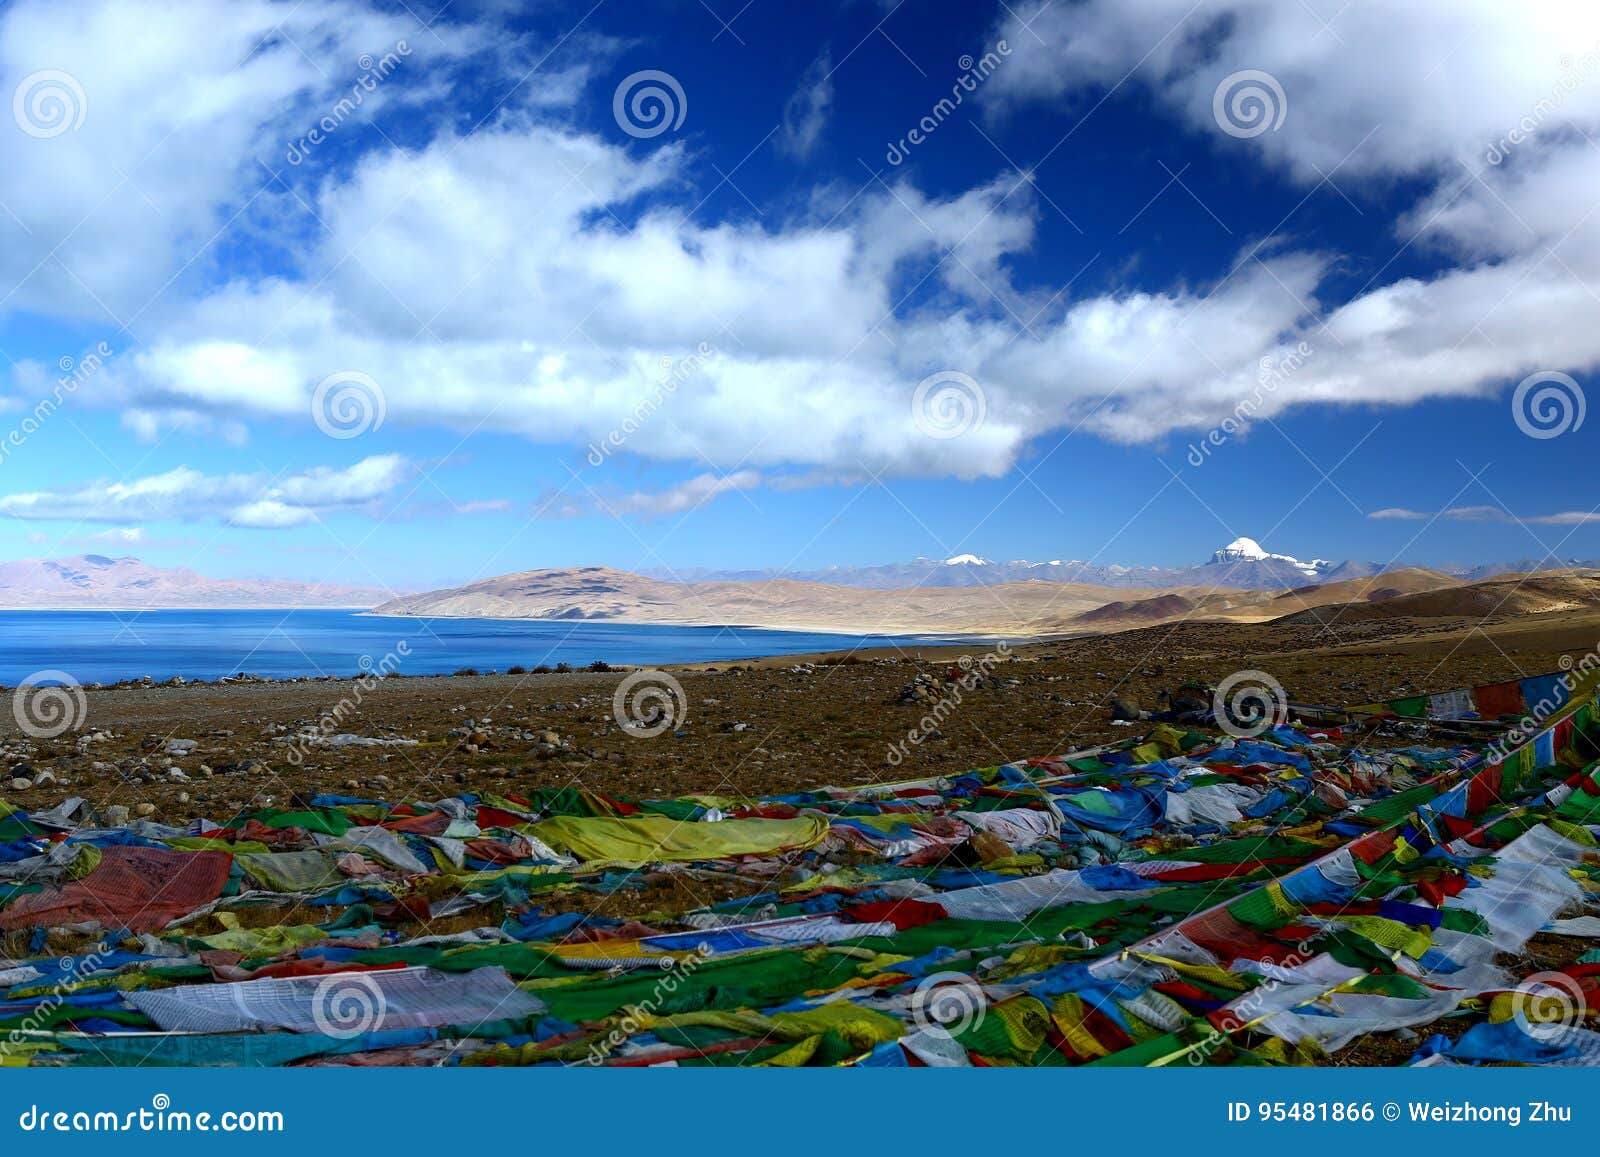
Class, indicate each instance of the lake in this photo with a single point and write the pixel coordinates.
(105, 646)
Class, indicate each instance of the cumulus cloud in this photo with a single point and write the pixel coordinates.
(1490, 107)
(491, 277)
(1404, 87)
(186, 111)
(250, 500)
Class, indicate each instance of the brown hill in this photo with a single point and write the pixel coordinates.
(1504, 597)
(1008, 610)
(1234, 606)
(1167, 606)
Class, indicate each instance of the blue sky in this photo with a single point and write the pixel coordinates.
(375, 340)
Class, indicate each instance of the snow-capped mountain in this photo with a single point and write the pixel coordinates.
(1243, 563)
(1249, 550)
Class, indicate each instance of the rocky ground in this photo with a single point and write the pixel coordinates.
(177, 752)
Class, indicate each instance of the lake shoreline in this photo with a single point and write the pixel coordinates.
(256, 645)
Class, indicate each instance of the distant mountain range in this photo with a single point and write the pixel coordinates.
(92, 581)
(600, 594)
(1241, 581)
(1014, 610)
(1242, 564)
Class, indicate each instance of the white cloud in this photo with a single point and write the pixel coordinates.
(806, 113)
(122, 536)
(151, 426)
(116, 537)
(1422, 89)
(683, 496)
(270, 514)
(489, 280)
(1417, 84)
(185, 495)
(182, 107)
(678, 498)
(1490, 514)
